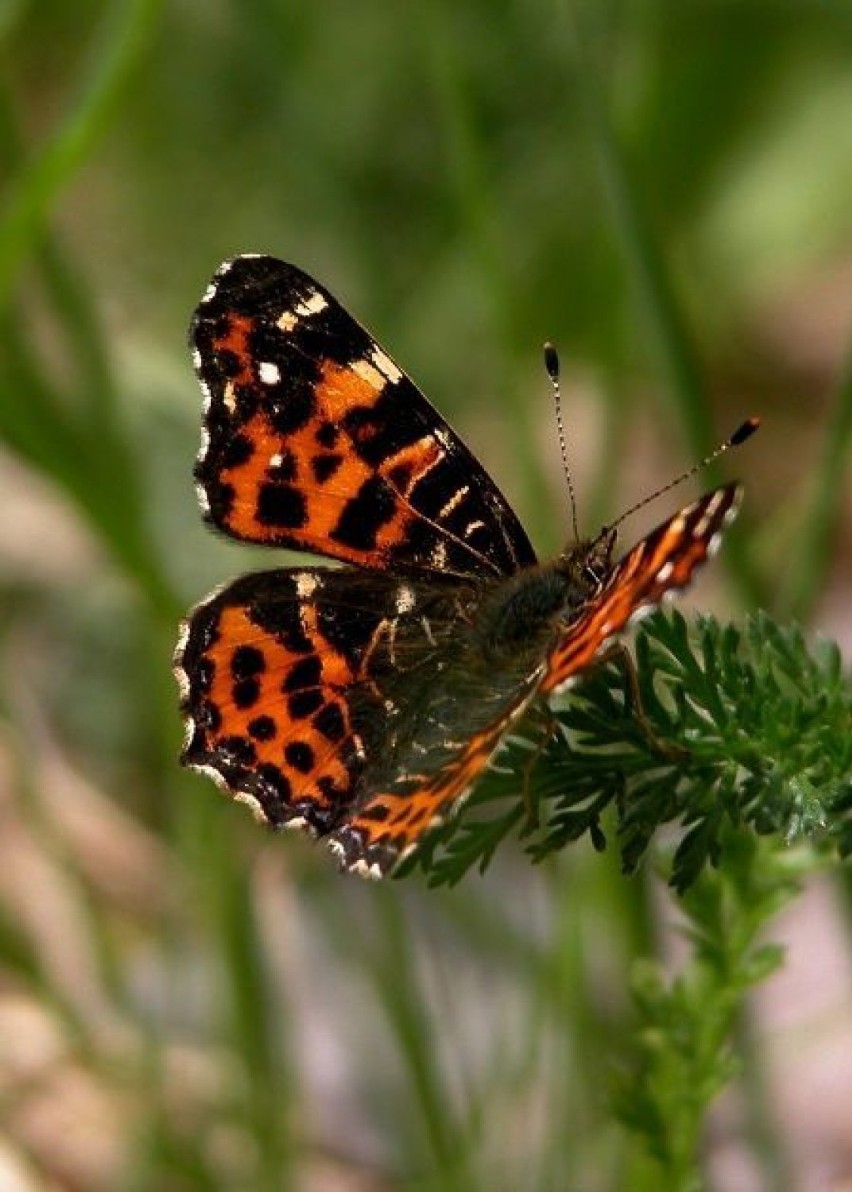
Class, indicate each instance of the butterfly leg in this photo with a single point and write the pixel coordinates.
(618, 652)
(548, 726)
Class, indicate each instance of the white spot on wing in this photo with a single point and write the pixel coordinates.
(286, 321)
(455, 500)
(298, 823)
(386, 366)
(177, 667)
(405, 599)
(306, 584)
(364, 869)
(365, 370)
(438, 558)
(703, 524)
(664, 572)
(243, 796)
(268, 372)
(313, 304)
(203, 502)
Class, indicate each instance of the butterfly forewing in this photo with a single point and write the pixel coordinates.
(316, 440)
(659, 564)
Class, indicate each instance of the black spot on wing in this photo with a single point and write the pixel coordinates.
(245, 693)
(281, 505)
(379, 431)
(329, 721)
(373, 506)
(327, 435)
(262, 728)
(300, 756)
(235, 451)
(307, 672)
(247, 661)
(325, 466)
(304, 703)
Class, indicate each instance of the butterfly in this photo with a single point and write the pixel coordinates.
(360, 703)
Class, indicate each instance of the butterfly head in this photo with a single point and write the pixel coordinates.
(588, 563)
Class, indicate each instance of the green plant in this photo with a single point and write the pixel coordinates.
(757, 776)
(759, 730)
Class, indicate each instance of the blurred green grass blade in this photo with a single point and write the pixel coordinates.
(70, 299)
(32, 421)
(11, 12)
(77, 316)
(807, 578)
(429, 1140)
(123, 39)
(483, 227)
(402, 997)
(646, 267)
(653, 284)
(252, 1025)
(93, 468)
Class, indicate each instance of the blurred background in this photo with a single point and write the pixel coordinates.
(662, 187)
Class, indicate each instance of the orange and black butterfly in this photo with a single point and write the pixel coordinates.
(361, 702)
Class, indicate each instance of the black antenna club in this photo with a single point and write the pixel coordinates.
(551, 363)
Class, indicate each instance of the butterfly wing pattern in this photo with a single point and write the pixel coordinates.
(360, 703)
(657, 568)
(315, 440)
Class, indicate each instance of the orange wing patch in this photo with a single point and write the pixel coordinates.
(265, 700)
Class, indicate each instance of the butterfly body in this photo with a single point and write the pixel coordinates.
(361, 702)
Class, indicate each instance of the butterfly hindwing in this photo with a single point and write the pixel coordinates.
(315, 440)
(341, 701)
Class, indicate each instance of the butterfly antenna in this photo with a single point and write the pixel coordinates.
(551, 363)
(744, 431)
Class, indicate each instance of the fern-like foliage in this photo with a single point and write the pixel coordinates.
(738, 727)
(686, 1046)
